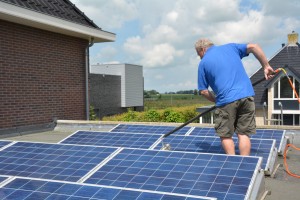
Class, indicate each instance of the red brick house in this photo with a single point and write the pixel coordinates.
(44, 59)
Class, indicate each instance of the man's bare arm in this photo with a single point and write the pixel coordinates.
(208, 95)
(256, 50)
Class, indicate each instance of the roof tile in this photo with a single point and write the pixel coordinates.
(63, 9)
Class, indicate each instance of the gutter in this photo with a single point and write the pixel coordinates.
(87, 72)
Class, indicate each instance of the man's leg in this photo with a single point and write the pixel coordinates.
(244, 144)
(246, 124)
(228, 145)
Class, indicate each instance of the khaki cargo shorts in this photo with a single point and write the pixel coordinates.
(236, 117)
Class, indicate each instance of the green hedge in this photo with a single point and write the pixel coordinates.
(177, 115)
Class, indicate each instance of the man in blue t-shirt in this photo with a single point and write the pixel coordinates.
(221, 69)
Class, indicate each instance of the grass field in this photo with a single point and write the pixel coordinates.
(163, 101)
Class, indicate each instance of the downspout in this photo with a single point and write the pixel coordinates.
(87, 71)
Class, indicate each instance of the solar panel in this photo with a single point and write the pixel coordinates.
(278, 135)
(4, 143)
(132, 140)
(42, 189)
(3, 178)
(210, 175)
(133, 128)
(259, 147)
(51, 161)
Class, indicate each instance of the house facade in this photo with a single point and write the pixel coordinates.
(44, 59)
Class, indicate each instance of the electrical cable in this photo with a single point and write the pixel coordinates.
(285, 161)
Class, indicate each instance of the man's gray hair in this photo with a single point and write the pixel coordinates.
(203, 43)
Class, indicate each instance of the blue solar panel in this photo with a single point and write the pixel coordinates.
(41, 189)
(133, 128)
(51, 161)
(132, 140)
(211, 175)
(278, 135)
(2, 178)
(259, 147)
(4, 143)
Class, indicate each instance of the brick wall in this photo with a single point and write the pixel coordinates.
(42, 76)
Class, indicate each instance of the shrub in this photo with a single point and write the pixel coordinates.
(92, 113)
(173, 114)
(152, 116)
(174, 117)
(130, 116)
(189, 114)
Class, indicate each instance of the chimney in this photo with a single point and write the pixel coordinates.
(293, 39)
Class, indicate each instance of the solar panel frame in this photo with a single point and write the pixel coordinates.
(153, 129)
(22, 188)
(164, 170)
(113, 139)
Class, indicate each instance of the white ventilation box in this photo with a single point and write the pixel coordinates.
(132, 81)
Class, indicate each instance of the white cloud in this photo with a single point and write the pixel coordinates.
(172, 16)
(133, 45)
(108, 14)
(159, 55)
(165, 33)
(107, 52)
(159, 77)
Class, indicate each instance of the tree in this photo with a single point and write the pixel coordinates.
(195, 92)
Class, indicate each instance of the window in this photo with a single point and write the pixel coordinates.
(276, 89)
(296, 88)
(283, 89)
(286, 90)
(288, 119)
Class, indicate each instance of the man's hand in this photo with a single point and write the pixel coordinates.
(269, 72)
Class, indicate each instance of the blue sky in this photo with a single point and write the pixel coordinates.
(160, 34)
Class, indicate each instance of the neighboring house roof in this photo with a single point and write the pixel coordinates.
(289, 58)
(59, 16)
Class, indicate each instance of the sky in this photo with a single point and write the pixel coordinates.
(160, 34)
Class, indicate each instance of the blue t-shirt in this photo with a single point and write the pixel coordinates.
(221, 68)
